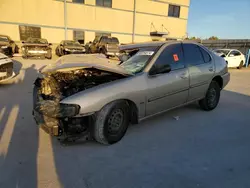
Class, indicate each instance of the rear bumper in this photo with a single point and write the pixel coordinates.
(226, 79)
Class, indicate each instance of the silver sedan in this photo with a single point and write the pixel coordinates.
(91, 96)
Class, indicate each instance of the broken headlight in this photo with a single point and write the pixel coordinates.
(68, 110)
(53, 109)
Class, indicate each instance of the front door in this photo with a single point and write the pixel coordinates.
(167, 90)
(201, 70)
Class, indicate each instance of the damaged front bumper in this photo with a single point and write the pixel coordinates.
(48, 124)
(58, 119)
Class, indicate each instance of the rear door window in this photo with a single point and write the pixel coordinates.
(206, 56)
(193, 55)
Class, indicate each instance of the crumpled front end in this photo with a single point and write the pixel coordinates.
(36, 52)
(60, 119)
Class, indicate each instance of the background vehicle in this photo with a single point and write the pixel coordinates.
(96, 98)
(104, 44)
(7, 46)
(69, 47)
(234, 58)
(36, 47)
(6, 68)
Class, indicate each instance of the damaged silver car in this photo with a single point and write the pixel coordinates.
(89, 96)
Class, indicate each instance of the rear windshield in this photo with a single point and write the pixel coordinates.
(72, 43)
(108, 40)
(139, 60)
(222, 51)
(37, 41)
(4, 39)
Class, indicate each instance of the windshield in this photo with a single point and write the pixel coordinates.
(37, 41)
(138, 62)
(4, 39)
(222, 51)
(72, 43)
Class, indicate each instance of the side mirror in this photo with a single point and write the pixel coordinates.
(159, 69)
(50, 44)
(231, 55)
(61, 45)
(11, 41)
(23, 42)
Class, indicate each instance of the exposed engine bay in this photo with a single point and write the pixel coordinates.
(59, 119)
(59, 85)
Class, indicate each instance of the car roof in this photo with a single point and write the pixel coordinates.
(143, 44)
(153, 44)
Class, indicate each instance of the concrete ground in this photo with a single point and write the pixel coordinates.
(201, 149)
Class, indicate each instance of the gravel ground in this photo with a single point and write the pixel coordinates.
(201, 149)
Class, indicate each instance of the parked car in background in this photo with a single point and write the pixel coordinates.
(104, 44)
(6, 68)
(69, 47)
(234, 58)
(83, 95)
(36, 47)
(7, 46)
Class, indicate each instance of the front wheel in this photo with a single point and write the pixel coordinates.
(212, 97)
(111, 122)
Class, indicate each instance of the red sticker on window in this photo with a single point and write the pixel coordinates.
(176, 58)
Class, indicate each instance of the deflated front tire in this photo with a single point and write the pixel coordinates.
(111, 122)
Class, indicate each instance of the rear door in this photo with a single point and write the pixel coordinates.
(201, 69)
(168, 90)
(234, 58)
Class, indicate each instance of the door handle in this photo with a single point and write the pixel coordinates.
(184, 76)
(211, 69)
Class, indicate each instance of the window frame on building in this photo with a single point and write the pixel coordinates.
(76, 1)
(76, 33)
(26, 32)
(174, 11)
(103, 3)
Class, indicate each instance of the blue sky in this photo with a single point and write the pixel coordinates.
(222, 18)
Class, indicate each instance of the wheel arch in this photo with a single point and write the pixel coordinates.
(133, 110)
(219, 80)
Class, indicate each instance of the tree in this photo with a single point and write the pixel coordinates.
(213, 38)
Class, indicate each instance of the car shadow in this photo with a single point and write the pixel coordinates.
(18, 135)
(162, 151)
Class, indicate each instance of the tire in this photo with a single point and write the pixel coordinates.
(103, 51)
(212, 97)
(241, 65)
(111, 122)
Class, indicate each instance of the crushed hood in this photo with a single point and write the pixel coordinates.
(73, 62)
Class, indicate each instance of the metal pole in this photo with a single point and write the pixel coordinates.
(133, 36)
(65, 20)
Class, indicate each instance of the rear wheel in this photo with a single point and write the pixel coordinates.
(212, 97)
(111, 122)
(241, 65)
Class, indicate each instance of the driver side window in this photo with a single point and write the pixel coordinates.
(172, 55)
